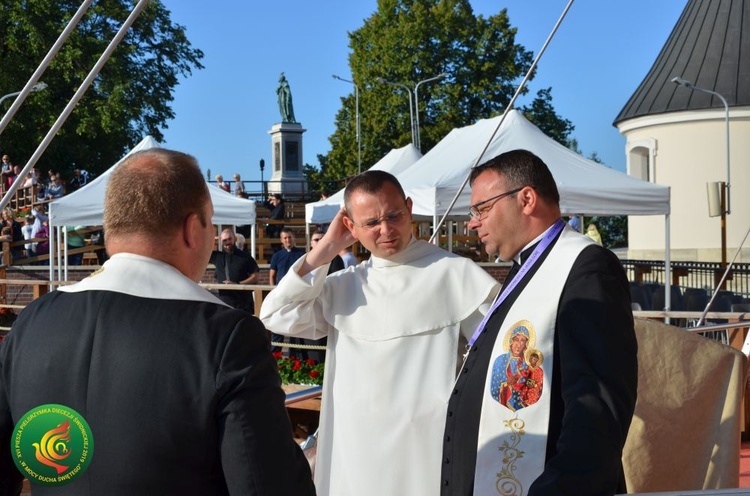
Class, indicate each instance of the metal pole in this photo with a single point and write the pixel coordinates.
(411, 105)
(411, 116)
(416, 105)
(357, 130)
(359, 137)
(45, 63)
(692, 87)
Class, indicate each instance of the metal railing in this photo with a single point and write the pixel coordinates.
(701, 275)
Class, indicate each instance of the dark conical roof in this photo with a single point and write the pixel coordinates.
(710, 47)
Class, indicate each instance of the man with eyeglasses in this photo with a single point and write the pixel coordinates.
(570, 300)
(394, 324)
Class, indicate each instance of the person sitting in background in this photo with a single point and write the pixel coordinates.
(80, 178)
(240, 241)
(56, 188)
(574, 222)
(75, 240)
(42, 247)
(16, 173)
(30, 180)
(220, 183)
(27, 229)
(278, 212)
(350, 260)
(14, 231)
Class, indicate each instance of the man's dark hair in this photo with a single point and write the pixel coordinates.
(522, 168)
(278, 196)
(370, 182)
(286, 230)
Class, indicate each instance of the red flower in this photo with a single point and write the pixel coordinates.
(310, 362)
(297, 365)
(314, 374)
(276, 354)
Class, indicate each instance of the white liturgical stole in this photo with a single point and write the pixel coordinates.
(513, 426)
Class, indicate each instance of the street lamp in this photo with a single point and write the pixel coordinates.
(37, 87)
(725, 209)
(411, 106)
(262, 183)
(416, 104)
(359, 139)
(415, 137)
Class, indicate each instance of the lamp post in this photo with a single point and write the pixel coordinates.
(416, 104)
(415, 137)
(37, 87)
(356, 104)
(262, 183)
(726, 207)
(411, 106)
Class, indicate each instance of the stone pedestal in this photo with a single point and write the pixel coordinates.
(287, 177)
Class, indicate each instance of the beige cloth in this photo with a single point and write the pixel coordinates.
(685, 433)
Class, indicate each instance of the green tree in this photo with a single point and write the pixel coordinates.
(129, 99)
(407, 41)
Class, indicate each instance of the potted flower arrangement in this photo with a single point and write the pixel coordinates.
(294, 370)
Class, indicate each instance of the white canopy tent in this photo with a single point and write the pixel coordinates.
(85, 207)
(396, 161)
(585, 186)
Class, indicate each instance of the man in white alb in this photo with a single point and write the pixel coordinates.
(393, 325)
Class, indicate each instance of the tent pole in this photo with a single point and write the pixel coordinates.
(252, 241)
(46, 61)
(59, 252)
(65, 253)
(450, 236)
(51, 254)
(667, 269)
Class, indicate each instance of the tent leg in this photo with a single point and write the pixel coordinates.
(667, 269)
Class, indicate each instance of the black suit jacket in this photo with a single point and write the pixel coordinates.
(183, 397)
(235, 267)
(593, 387)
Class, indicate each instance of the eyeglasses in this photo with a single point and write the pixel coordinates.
(476, 214)
(373, 224)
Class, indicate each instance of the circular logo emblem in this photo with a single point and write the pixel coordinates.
(52, 445)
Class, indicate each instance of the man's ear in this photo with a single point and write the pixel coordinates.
(529, 199)
(349, 224)
(191, 229)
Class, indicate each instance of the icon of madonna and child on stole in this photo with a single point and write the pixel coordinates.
(517, 374)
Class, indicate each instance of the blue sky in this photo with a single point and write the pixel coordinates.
(594, 63)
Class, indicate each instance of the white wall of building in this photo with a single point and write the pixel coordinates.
(685, 150)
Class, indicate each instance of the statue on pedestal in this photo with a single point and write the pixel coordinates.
(284, 93)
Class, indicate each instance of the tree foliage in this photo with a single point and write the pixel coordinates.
(407, 41)
(613, 229)
(129, 99)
